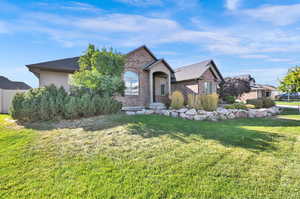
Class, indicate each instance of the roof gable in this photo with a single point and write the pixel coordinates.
(149, 66)
(195, 71)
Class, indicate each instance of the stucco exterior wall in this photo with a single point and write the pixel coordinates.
(57, 78)
(135, 62)
(6, 97)
(250, 95)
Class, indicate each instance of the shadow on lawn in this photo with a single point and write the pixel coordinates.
(228, 133)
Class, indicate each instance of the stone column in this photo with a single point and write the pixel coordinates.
(151, 86)
(169, 83)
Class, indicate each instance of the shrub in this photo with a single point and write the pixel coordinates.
(258, 103)
(177, 100)
(236, 106)
(267, 103)
(194, 101)
(50, 103)
(250, 106)
(209, 102)
(229, 99)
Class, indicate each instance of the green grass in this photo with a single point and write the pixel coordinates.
(151, 157)
(288, 103)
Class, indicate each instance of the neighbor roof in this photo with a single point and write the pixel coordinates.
(71, 64)
(194, 71)
(5, 83)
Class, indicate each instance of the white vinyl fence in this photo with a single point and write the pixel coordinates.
(6, 97)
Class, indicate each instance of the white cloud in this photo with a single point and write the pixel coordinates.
(254, 56)
(142, 2)
(232, 4)
(71, 5)
(276, 14)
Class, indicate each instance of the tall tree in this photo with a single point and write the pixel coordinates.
(100, 71)
(291, 82)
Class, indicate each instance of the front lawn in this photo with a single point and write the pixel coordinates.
(151, 156)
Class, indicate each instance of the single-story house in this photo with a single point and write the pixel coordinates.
(147, 78)
(257, 90)
(8, 89)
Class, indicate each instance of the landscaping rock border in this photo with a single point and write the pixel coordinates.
(219, 114)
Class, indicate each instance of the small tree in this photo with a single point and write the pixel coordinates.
(100, 71)
(291, 82)
(234, 87)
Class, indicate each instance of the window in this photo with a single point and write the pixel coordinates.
(208, 87)
(131, 80)
(162, 89)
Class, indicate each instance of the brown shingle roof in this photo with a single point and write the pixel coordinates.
(194, 71)
(67, 65)
(5, 83)
(71, 64)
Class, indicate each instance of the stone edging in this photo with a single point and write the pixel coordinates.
(219, 114)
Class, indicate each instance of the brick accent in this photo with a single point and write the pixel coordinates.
(135, 62)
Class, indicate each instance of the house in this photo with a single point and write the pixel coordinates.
(8, 89)
(147, 78)
(257, 90)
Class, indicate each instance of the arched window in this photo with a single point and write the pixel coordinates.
(131, 83)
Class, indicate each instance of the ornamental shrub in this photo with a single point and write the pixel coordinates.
(267, 102)
(258, 103)
(50, 103)
(194, 101)
(236, 106)
(229, 99)
(209, 102)
(177, 100)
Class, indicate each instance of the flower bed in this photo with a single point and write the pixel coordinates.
(219, 114)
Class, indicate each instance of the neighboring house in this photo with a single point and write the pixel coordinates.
(8, 89)
(257, 90)
(147, 78)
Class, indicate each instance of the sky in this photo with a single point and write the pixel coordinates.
(257, 37)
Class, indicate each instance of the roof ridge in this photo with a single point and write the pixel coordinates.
(44, 62)
(181, 67)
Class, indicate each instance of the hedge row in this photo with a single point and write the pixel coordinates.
(51, 103)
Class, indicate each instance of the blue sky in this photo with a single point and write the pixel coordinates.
(259, 37)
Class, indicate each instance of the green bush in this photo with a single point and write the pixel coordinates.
(50, 103)
(236, 106)
(258, 103)
(229, 99)
(267, 103)
(261, 103)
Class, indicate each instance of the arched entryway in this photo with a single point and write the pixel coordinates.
(160, 87)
